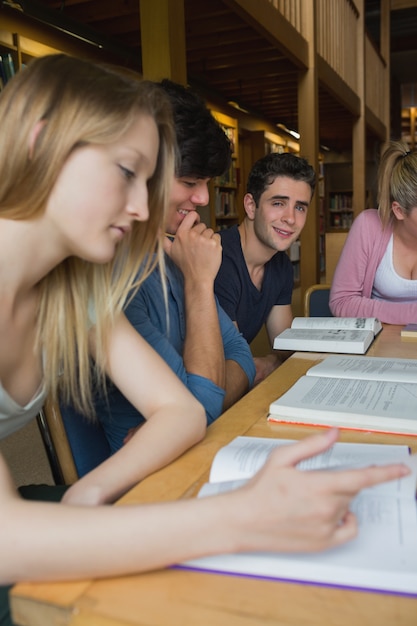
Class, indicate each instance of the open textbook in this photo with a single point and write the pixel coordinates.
(349, 335)
(383, 557)
(362, 393)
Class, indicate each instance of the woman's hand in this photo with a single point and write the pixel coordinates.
(289, 510)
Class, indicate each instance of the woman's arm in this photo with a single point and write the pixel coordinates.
(281, 509)
(175, 420)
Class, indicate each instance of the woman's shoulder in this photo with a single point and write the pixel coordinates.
(369, 216)
(368, 222)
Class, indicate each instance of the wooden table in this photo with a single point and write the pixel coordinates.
(184, 598)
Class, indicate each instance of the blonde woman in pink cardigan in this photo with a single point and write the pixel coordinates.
(376, 275)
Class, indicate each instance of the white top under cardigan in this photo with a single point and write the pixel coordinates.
(388, 284)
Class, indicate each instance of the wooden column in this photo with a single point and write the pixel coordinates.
(386, 55)
(162, 27)
(359, 125)
(308, 125)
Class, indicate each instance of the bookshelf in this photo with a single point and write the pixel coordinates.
(24, 38)
(294, 254)
(340, 210)
(16, 51)
(321, 218)
(9, 56)
(338, 202)
(224, 208)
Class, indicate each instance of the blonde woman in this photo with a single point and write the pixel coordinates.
(86, 156)
(376, 275)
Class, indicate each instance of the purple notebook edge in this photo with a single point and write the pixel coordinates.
(192, 568)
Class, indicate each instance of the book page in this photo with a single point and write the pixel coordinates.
(381, 558)
(350, 402)
(244, 456)
(402, 488)
(359, 323)
(369, 367)
(383, 555)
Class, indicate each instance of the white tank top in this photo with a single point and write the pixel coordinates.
(388, 285)
(13, 416)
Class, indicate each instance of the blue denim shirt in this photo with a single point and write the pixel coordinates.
(166, 334)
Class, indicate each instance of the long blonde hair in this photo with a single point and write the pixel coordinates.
(83, 103)
(397, 179)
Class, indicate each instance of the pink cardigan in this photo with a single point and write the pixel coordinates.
(350, 295)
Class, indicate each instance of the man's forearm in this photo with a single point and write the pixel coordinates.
(203, 347)
(237, 383)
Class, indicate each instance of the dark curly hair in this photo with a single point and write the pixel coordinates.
(269, 167)
(204, 151)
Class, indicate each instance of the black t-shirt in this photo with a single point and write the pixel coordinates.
(242, 301)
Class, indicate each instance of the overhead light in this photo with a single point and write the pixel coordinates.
(61, 22)
(237, 106)
(293, 133)
(12, 5)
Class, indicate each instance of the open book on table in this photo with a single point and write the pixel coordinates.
(362, 393)
(383, 557)
(349, 335)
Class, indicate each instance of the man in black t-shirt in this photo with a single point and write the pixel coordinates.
(255, 281)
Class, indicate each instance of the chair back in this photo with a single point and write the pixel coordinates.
(316, 301)
(56, 444)
(74, 444)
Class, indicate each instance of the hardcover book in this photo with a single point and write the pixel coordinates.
(348, 335)
(361, 393)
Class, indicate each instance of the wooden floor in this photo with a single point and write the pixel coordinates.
(26, 457)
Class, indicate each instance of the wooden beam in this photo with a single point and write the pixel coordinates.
(359, 125)
(163, 40)
(308, 125)
(271, 24)
(386, 55)
(337, 87)
(397, 5)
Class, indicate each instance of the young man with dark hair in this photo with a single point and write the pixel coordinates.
(255, 282)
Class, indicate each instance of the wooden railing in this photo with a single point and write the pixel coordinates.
(337, 34)
(375, 81)
(292, 10)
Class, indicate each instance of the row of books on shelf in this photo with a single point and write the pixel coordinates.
(340, 219)
(229, 178)
(224, 203)
(230, 132)
(7, 68)
(340, 201)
